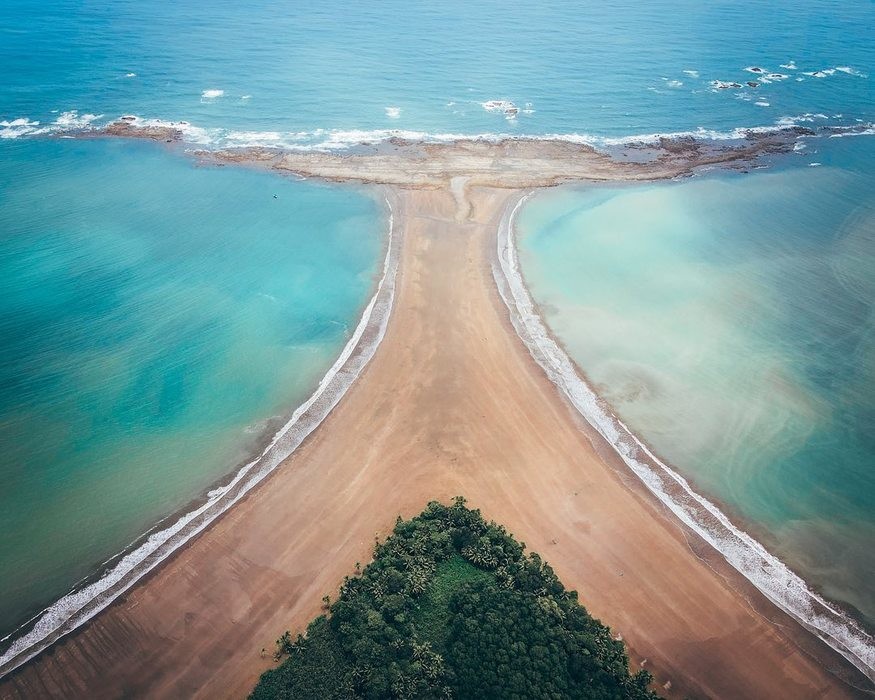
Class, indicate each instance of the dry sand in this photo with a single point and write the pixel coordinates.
(452, 404)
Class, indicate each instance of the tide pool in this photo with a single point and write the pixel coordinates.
(157, 320)
(729, 321)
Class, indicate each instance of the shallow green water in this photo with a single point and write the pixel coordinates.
(729, 321)
(155, 318)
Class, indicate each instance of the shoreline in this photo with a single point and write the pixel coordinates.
(147, 552)
(766, 572)
(466, 210)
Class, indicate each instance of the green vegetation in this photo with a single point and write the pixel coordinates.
(452, 606)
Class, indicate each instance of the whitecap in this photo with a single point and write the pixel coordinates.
(761, 103)
(820, 73)
(814, 165)
(74, 120)
(393, 112)
(789, 66)
(851, 71)
(799, 118)
(209, 95)
(692, 73)
(725, 85)
(674, 83)
(505, 106)
(130, 75)
(245, 97)
(22, 126)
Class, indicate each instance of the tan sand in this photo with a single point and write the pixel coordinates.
(452, 403)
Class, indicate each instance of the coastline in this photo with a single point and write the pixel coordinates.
(151, 549)
(428, 192)
(768, 574)
(452, 404)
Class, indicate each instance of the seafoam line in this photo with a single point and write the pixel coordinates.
(765, 571)
(77, 607)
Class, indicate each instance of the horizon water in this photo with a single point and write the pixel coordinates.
(150, 408)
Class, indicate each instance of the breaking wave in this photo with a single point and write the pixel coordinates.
(345, 139)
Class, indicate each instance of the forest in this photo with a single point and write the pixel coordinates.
(453, 607)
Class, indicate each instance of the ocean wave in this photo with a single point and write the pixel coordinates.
(22, 126)
(210, 95)
(66, 121)
(765, 571)
(79, 606)
(393, 112)
(345, 139)
(865, 130)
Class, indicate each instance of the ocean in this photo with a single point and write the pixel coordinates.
(160, 319)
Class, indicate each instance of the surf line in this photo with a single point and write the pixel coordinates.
(77, 607)
(769, 574)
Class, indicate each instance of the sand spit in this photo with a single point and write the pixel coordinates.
(451, 403)
(507, 162)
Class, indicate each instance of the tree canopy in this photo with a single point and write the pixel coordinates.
(453, 606)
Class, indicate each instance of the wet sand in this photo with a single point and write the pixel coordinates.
(451, 404)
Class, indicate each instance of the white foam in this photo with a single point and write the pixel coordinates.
(789, 66)
(210, 95)
(22, 126)
(245, 97)
(868, 130)
(820, 73)
(725, 85)
(674, 83)
(771, 576)
(77, 607)
(800, 119)
(692, 73)
(393, 112)
(73, 120)
(508, 108)
(761, 103)
(814, 165)
(130, 75)
(851, 71)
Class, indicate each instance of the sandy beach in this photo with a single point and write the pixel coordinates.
(451, 404)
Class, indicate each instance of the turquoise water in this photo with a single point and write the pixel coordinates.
(156, 318)
(730, 321)
(603, 68)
